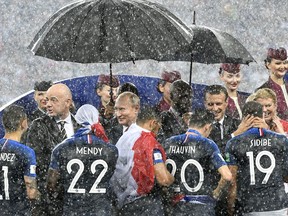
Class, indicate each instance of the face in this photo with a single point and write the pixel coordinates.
(104, 93)
(216, 104)
(182, 99)
(277, 67)
(155, 125)
(125, 112)
(269, 108)
(166, 91)
(58, 104)
(231, 80)
(40, 98)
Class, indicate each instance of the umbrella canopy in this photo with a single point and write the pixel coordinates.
(211, 46)
(96, 31)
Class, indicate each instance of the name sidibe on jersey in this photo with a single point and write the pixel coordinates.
(89, 150)
(7, 157)
(260, 142)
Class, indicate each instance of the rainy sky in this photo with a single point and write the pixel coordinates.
(257, 24)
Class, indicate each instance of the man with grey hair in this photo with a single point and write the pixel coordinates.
(49, 130)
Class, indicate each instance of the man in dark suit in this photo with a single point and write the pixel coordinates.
(224, 127)
(49, 130)
(181, 103)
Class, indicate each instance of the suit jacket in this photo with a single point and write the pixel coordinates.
(172, 124)
(232, 109)
(113, 130)
(282, 107)
(36, 114)
(43, 136)
(229, 126)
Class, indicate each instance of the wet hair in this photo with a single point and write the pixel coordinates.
(264, 94)
(200, 118)
(133, 98)
(179, 86)
(13, 116)
(215, 90)
(128, 87)
(147, 113)
(43, 85)
(161, 82)
(253, 108)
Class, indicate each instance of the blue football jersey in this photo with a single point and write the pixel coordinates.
(86, 164)
(16, 161)
(262, 160)
(193, 160)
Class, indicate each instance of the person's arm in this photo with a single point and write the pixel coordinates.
(232, 191)
(163, 176)
(31, 188)
(52, 179)
(245, 124)
(226, 177)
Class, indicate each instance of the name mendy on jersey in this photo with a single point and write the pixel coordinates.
(7, 157)
(260, 142)
(89, 150)
(182, 149)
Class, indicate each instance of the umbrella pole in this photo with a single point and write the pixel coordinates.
(111, 84)
(191, 67)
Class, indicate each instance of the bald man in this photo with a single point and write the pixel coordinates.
(46, 132)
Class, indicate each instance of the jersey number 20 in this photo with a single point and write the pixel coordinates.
(183, 170)
(94, 188)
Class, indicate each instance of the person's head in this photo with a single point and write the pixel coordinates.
(268, 99)
(149, 119)
(40, 89)
(128, 87)
(165, 82)
(181, 94)
(87, 114)
(202, 120)
(103, 88)
(126, 107)
(230, 75)
(252, 108)
(14, 119)
(59, 101)
(276, 62)
(216, 100)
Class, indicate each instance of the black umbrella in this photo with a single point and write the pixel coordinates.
(212, 46)
(113, 31)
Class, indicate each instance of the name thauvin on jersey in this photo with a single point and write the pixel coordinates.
(260, 142)
(182, 149)
(7, 157)
(89, 150)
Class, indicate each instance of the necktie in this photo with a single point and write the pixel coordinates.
(218, 131)
(62, 129)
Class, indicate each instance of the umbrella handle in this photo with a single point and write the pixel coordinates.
(111, 83)
(191, 67)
